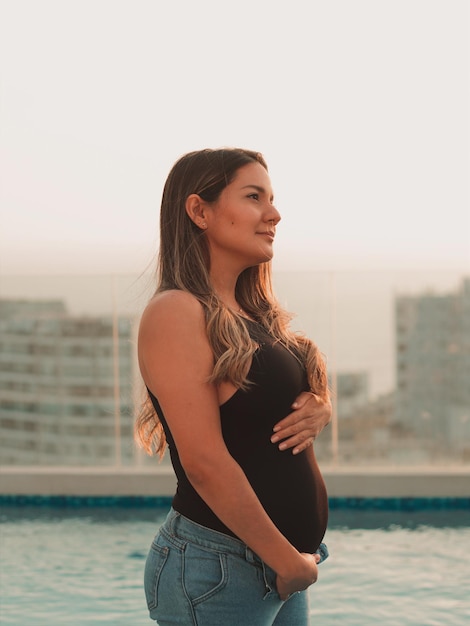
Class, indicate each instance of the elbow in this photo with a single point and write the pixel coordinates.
(197, 474)
(201, 470)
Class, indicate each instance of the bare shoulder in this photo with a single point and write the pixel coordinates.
(171, 309)
(172, 321)
(173, 342)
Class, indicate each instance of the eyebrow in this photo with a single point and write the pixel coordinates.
(258, 188)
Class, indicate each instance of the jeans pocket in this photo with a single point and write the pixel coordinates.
(156, 559)
(269, 576)
(323, 552)
(205, 572)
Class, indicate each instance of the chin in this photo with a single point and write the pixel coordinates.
(269, 255)
(262, 256)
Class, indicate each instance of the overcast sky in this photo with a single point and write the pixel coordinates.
(359, 106)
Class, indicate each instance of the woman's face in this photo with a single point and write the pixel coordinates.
(241, 224)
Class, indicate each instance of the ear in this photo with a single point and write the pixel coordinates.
(196, 210)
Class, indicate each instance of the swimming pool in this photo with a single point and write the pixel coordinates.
(83, 565)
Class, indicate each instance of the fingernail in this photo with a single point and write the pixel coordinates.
(276, 428)
(295, 405)
(295, 451)
(274, 438)
(282, 446)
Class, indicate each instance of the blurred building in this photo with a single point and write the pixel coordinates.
(365, 426)
(66, 386)
(433, 367)
(352, 393)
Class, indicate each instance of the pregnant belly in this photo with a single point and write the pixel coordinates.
(293, 493)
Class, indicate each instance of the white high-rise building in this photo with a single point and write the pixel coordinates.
(66, 386)
(433, 366)
(352, 393)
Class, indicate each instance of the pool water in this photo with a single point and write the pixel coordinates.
(84, 566)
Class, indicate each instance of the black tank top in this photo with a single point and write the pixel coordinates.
(290, 487)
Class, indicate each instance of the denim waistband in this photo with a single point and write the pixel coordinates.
(178, 528)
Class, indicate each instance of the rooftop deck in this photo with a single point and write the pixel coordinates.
(346, 481)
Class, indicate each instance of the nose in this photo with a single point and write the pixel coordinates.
(273, 215)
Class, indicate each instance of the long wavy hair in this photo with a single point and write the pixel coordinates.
(184, 263)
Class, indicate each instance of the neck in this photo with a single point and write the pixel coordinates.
(224, 286)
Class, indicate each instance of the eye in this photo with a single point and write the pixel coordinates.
(255, 196)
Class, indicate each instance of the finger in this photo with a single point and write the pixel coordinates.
(299, 442)
(301, 425)
(303, 446)
(288, 422)
(303, 398)
(283, 594)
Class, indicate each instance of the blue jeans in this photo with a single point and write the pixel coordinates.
(195, 576)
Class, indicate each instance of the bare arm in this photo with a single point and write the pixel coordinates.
(176, 361)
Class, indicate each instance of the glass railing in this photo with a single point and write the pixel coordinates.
(397, 346)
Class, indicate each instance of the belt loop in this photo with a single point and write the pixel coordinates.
(252, 557)
(172, 520)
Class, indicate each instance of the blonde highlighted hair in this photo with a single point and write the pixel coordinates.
(184, 263)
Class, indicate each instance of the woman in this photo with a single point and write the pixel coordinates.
(232, 391)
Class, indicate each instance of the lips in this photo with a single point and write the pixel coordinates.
(269, 233)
